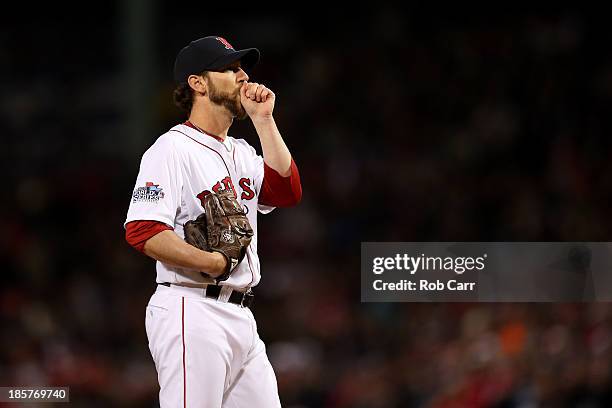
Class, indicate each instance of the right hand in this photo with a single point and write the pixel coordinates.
(257, 100)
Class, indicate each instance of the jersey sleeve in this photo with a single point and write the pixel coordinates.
(279, 191)
(258, 164)
(259, 176)
(137, 233)
(157, 193)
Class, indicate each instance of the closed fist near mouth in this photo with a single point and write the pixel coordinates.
(257, 100)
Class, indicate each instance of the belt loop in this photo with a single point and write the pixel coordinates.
(225, 293)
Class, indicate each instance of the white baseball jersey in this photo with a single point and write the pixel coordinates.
(178, 171)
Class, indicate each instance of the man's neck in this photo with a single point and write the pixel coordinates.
(214, 121)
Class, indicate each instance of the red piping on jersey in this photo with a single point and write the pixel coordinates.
(137, 233)
(207, 133)
(208, 147)
(234, 159)
(184, 365)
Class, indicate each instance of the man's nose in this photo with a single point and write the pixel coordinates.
(242, 76)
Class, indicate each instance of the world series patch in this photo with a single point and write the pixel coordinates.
(149, 193)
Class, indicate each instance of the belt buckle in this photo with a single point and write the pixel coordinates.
(247, 298)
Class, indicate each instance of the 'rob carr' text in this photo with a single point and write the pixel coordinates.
(424, 285)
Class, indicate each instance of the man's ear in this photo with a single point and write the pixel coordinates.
(198, 84)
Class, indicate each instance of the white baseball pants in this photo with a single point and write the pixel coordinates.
(207, 352)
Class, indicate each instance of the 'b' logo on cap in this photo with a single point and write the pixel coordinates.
(223, 41)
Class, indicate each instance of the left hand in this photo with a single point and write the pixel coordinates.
(257, 100)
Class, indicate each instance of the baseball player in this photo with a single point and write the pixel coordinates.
(202, 334)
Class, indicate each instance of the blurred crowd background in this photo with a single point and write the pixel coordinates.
(407, 124)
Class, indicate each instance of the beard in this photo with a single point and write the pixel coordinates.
(229, 100)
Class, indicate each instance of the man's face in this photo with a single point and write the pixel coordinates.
(224, 88)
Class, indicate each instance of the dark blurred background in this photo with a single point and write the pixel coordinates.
(407, 124)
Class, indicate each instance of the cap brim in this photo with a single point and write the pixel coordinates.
(248, 59)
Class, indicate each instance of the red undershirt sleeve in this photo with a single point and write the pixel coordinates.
(137, 233)
(279, 191)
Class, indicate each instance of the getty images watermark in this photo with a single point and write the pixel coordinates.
(413, 264)
(486, 271)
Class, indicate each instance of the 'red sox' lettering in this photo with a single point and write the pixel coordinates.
(225, 184)
(245, 185)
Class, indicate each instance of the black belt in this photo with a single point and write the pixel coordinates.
(244, 299)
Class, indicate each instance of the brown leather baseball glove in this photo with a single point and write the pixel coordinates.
(223, 227)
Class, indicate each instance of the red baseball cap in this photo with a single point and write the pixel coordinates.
(208, 54)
